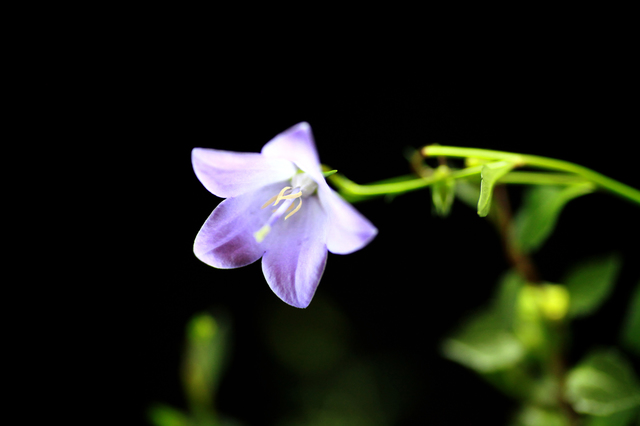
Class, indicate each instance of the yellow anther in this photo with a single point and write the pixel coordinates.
(291, 196)
(293, 212)
(281, 195)
(277, 198)
(269, 202)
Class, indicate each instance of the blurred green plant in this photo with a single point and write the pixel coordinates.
(204, 359)
(518, 343)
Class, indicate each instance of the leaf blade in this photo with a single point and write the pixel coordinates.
(537, 218)
(490, 174)
(602, 384)
(590, 283)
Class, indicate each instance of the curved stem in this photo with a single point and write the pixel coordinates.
(603, 181)
(389, 188)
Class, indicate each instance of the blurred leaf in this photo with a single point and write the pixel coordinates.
(163, 415)
(536, 219)
(621, 418)
(602, 384)
(529, 324)
(490, 174)
(506, 298)
(590, 283)
(204, 358)
(631, 328)
(443, 192)
(484, 344)
(537, 416)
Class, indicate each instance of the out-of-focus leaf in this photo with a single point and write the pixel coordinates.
(602, 384)
(443, 192)
(484, 344)
(163, 415)
(204, 358)
(506, 297)
(631, 328)
(536, 219)
(621, 418)
(537, 416)
(590, 283)
(490, 174)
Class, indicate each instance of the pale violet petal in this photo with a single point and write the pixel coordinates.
(296, 254)
(296, 145)
(226, 240)
(229, 174)
(348, 230)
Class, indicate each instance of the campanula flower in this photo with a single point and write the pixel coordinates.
(278, 207)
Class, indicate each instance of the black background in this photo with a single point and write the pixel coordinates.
(421, 274)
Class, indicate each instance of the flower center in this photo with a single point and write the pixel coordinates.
(281, 196)
(302, 187)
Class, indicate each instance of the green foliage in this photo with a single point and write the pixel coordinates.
(532, 415)
(630, 336)
(491, 172)
(602, 384)
(204, 358)
(620, 418)
(163, 415)
(537, 218)
(484, 344)
(590, 283)
(485, 341)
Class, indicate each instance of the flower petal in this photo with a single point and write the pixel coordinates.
(296, 145)
(226, 239)
(348, 230)
(229, 174)
(296, 254)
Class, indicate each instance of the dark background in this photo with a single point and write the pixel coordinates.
(419, 277)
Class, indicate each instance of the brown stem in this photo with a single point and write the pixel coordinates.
(526, 268)
(520, 260)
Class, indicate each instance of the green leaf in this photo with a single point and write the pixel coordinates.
(602, 384)
(204, 359)
(631, 327)
(484, 344)
(490, 174)
(163, 415)
(506, 297)
(538, 416)
(590, 283)
(620, 418)
(537, 218)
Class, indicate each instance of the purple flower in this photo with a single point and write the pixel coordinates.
(279, 207)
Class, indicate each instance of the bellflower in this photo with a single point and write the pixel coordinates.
(278, 207)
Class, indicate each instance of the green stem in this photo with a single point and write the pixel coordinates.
(348, 187)
(605, 182)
